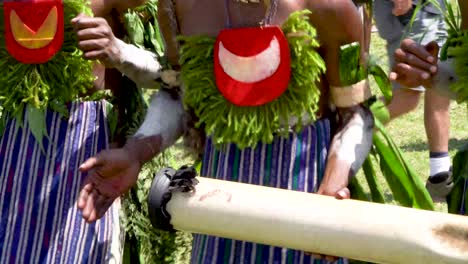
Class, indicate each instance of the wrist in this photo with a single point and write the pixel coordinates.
(143, 148)
(116, 51)
(140, 65)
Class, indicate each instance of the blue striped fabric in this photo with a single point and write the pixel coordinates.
(39, 220)
(296, 163)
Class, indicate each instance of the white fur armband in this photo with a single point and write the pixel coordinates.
(141, 66)
(165, 117)
(352, 95)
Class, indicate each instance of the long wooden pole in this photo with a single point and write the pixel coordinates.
(315, 223)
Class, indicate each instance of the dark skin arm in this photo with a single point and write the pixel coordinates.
(347, 29)
(354, 134)
(96, 37)
(169, 27)
(113, 172)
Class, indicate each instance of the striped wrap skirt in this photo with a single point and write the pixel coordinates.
(39, 186)
(296, 162)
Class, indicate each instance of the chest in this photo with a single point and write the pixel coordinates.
(208, 17)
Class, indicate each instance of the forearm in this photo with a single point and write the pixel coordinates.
(350, 145)
(163, 125)
(141, 66)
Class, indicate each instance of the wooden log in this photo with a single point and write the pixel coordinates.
(315, 223)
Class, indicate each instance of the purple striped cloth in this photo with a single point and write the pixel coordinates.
(39, 219)
(296, 162)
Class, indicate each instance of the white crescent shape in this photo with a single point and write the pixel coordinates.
(253, 68)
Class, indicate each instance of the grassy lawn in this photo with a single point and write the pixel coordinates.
(408, 131)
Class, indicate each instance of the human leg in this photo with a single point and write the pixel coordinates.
(403, 101)
(428, 27)
(437, 123)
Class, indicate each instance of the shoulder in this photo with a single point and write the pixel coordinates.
(336, 19)
(332, 9)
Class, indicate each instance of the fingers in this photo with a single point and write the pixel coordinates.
(93, 33)
(78, 17)
(96, 208)
(393, 76)
(92, 28)
(84, 194)
(92, 202)
(410, 59)
(95, 49)
(343, 194)
(83, 21)
(433, 48)
(410, 46)
(412, 76)
(94, 55)
(90, 205)
(91, 163)
(415, 64)
(92, 44)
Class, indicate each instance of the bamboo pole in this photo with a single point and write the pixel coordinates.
(315, 223)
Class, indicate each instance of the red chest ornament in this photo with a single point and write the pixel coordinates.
(252, 66)
(33, 29)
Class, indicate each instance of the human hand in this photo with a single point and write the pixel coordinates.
(96, 40)
(415, 64)
(111, 173)
(401, 7)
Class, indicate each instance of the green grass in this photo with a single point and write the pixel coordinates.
(408, 131)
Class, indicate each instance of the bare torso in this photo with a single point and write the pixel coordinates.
(209, 17)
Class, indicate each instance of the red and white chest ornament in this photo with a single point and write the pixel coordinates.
(252, 66)
(33, 29)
